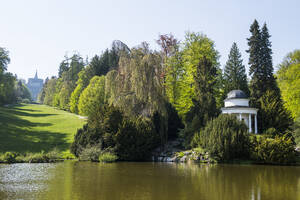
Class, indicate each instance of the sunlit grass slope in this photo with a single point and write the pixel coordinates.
(36, 128)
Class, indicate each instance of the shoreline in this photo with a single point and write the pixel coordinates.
(43, 158)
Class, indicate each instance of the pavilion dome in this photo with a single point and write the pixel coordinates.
(236, 94)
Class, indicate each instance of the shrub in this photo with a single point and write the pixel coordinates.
(9, 157)
(224, 138)
(54, 155)
(41, 157)
(102, 124)
(296, 131)
(90, 154)
(27, 101)
(135, 139)
(174, 122)
(19, 100)
(272, 114)
(271, 132)
(108, 128)
(180, 154)
(108, 157)
(189, 132)
(36, 157)
(280, 150)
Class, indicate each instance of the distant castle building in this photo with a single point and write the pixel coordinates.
(35, 85)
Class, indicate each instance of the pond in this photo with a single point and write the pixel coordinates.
(138, 180)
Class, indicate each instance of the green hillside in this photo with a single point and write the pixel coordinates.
(36, 128)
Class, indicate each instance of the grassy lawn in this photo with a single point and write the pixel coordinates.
(35, 128)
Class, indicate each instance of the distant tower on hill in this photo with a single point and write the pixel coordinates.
(35, 86)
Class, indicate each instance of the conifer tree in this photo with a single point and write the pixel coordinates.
(205, 82)
(234, 73)
(263, 81)
(266, 54)
(255, 70)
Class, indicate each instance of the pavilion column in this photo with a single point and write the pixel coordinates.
(250, 124)
(255, 123)
(240, 116)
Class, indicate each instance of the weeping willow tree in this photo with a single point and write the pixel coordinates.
(136, 87)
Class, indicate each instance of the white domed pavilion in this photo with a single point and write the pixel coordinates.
(237, 103)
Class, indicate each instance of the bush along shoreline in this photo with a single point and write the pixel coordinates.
(223, 140)
(226, 140)
(41, 157)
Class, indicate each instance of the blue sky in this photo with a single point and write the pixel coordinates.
(38, 33)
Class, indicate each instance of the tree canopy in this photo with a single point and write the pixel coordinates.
(262, 78)
(288, 78)
(234, 72)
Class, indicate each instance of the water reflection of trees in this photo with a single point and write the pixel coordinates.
(245, 181)
(75, 180)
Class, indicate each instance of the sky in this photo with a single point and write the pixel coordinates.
(39, 33)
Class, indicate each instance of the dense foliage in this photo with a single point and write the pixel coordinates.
(11, 90)
(296, 131)
(137, 99)
(191, 80)
(280, 150)
(92, 96)
(235, 73)
(21, 92)
(6, 79)
(225, 138)
(288, 77)
(273, 114)
(109, 128)
(263, 80)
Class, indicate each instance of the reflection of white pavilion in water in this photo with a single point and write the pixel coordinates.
(237, 103)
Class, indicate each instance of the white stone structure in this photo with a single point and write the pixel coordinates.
(237, 103)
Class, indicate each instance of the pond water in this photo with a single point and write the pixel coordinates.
(132, 180)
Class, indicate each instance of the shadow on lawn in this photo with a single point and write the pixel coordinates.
(24, 109)
(20, 113)
(16, 134)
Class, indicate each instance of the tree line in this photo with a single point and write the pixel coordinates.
(12, 90)
(139, 97)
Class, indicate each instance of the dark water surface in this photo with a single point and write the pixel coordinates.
(85, 180)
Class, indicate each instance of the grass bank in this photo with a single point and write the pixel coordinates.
(29, 129)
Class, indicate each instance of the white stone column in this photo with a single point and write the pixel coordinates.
(240, 116)
(255, 123)
(250, 124)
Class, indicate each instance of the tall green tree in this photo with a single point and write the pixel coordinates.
(267, 63)
(199, 80)
(204, 106)
(4, 60)
(7, 88)
(21, 91)
(263, 80)
(7, 80)
(288, 78)
(85, 76)
(109, 59)
(273, 114)
(93, 96)
(170, 65)
(256, 69)
(63, 67)
(67, 82)
(234, 72)
(173, 77)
